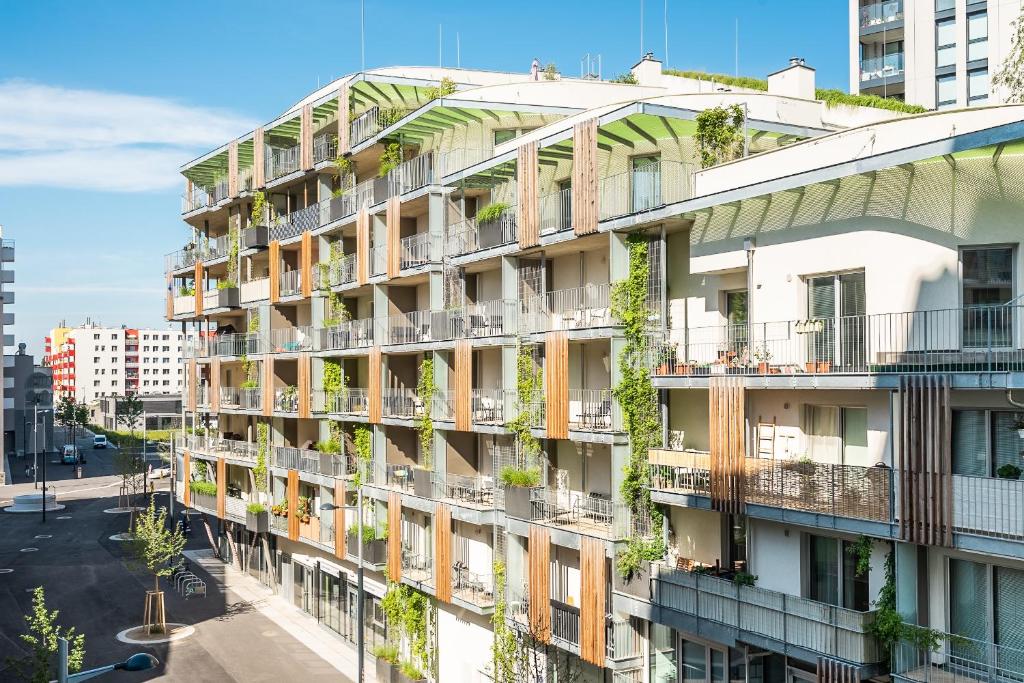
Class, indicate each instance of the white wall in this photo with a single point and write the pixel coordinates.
(774, 552)
(697, 533)
(464, 647)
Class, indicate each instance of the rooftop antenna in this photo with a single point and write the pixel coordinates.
(439, 44)
(737, 43)
(666, 32)
(362, 36)
(641, 28)
(458, 52)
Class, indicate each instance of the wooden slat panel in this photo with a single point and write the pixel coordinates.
(193, 384)
(592, 600)
(222, 484)
(274, 255)
(233, 168)
(834, 671)
(528, 219)
(584, 177)
(727, 436)
(443, 552)
(339, 519)
(268, 385)
(169, 312)
(556, 385)
(539, 577)
(186, 466)
(198, 277)
(306, 263)
(463, 385)
(343, 120)
(373, 393)
(215, 385)
(293, 504)
(924, 463)
(393, 246)
(306, 137)
(394, 563)
(362, 246)
(304, 372)
(259, 176)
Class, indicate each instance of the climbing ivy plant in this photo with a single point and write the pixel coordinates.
(528, 392)
(251, 381)
(425, 390)
(503, 646)
(362, 439)
(443, 89)
(334, 254)
(719, 135)
(259, 472)
(334, 381)
(390, 159)
(259, 208)
(638, 400)
(405, 610)
(231, 280)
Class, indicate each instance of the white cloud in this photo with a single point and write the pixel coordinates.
(92, 139)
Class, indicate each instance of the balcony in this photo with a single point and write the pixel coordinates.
(957, 659)
(400, 403)
(574, 308)
(342, 271)
(352, 334)
(292, 339)
(645, 188)
(286, 400)
(978, 339)
(281, 161)
(203, 502)
(348, 401)
(442, 407)
(878, 13)
(378, 260)
(198, 198)
(371, 122)
(777, 621)
(183, 258)
(845, 491)
(203, 396)
(417, 567)
(488, 406)
(237, 344)
(349, 202)
(414, 327)
(217, 447)
(565, 624)
(475, 491)
(234, 508)
(985, 506)
(393, 476)
(245, 179)
(556, 211)
(255, 290)
(887, 66)
(246, 398)
(184, 305)
(580, 513)
(295, 223)
(220, 191)
(411, 175)
(623, 640)
(291, 283)
(314, 462)
(325, 148)
(456, 160)
(469, 236)
(591, 409)
(476, 589)
(419, 249)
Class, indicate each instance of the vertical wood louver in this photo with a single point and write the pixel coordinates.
(268, 385)
(339, 518)
(198, 285)
(233, 169)
(304, 384)
(527, 197)
(556, 385)
(539, 577)
(222, 483)
(306, 264)
(274, 256)
(306, 137)
(393, 243)
(343, 120)
(214, 397)
(463, 385)
(394, 560)
(593, 611)
(443, 552)
(584, 177)
(362, 246)
(193, 385)
(727, 432)
(374, 409)
(259, 176)
(925, 459)
(293, 504)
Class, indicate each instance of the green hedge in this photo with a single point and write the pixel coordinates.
(121, 437)
(203, 487)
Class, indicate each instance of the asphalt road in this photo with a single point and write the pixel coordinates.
(86, 577)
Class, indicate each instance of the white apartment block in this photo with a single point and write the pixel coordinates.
(823, 326)
(939, 54)
(92, 361)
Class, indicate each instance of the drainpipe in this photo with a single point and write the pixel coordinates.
(1009, 399)
(748, 246)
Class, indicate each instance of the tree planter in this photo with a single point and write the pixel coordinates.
(638, 585)
(421, 483)
(517, 502)
(374, 552)
(227, 297)
(256, 237)
(257, 523)
(386, 671)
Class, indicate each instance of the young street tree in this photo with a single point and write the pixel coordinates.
(129, 413)
(131, 467)
(64, 414)
(40, 664)
(155, 546)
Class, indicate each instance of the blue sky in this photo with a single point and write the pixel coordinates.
(102, 100)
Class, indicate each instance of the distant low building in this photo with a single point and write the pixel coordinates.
(160, 412)
(28, 396)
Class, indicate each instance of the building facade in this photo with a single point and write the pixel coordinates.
(161, 411)
(92, 361)
(28, 419)
(939, 54)
(651, 409)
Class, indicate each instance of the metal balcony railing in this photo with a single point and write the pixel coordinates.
(400, 403)
(348, 203)
(203, 395)
(957, 659)
(974, 339)
(373, 121)
(281, 161)
(442, 407)
(581, 512)
(757, 612)
(565, 623)
(218, 447)
(477, 490)
(411, 175)
(342, 271)
(347, 335)
(413, 327)
(456, 160)
(472, 587)
(886, 66)
(286, 400)
(419, 249)
(325, 147)
(393, 475)
(255, 290)
(245, 179)
(469, 236)
(878, 13)
(488, 405)
(592, 409)
(623, 640)
(199, 198)
(296, 222)
(314, 462)
(183, 258)
(417, 567)
(292, 339)
(493, 318)
(234, 508)
(645, 188)
(573, 308)
(248, 398)
(985, 506)
(220, 190)
(237, 344)
(378, 260)
(216, 247)
(847, 491)
(556, 211)
(348, 401)
(291, 282)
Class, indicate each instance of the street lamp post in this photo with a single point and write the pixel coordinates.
(140, 661)
(360, 635)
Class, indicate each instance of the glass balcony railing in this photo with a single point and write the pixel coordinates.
(887, 66)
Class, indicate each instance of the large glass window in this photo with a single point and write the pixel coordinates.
(977, 36)
(836, 434)
(984, 441)
(663, 654)
(736, 316)
(945, 42)
(942, 5)
(977, 87)
(945, 91)
(832, 577)
(987, 286)
(986, 604)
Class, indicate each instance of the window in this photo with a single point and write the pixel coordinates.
(977, 87)
(945, 91)
(736, 318)
(113, 348)
(942, 5)
(166, 337)
(113, 383)
(95, 382)
(977, 36)
(836, 434)
(988, 276)
(984, 441)
(113, 371)
(96, 359)
(96, 336)
(167, 383)
(837, 302)
(145, 337)
(167, 348)
(504, 135)
(114, 336)
(985, 603)
(832, 576)
(945, 42)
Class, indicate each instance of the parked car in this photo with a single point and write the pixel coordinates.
(99, 441)
(70, 455)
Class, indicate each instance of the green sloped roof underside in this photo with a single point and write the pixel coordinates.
(366, 94)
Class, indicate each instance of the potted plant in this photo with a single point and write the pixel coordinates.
(387, 663)
(408, 673)
(422, 485)
(519, 484)
(1008, 471)
(302, 509)
(666, 361)
(256, 518)
(763, 356)
(374, 549)
(257, 235)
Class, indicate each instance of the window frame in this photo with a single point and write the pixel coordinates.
(942, 47)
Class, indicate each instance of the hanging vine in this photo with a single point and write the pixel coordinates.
(528, 393)
(638, 400)
(259, 472)
(259, 208)
(334, 383)
(405, 610)
(503, 646)
(362, 438)
(425, 390)
(251, 380)
(719, 136)
(231, 279)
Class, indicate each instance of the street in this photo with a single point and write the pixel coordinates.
(86, 578)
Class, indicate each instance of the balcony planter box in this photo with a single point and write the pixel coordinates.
(822, 366)
(227, 297)
(258, 523)
(386, 671)
(638, 585)
(374, 552)
(517, 502)
(421, 482)
(256, 237)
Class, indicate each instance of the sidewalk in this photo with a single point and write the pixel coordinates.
(330, 647)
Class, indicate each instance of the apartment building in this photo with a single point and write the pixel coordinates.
(424, 284)
(92, 361)
(10, 375)
(940, 54)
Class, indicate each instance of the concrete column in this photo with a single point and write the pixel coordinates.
(441, 451)
(381, 306)
(264, 327)
(509, 277)
(618, 256)
(323, 186)
(436, 223)
(907, 572)
(509, 380)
